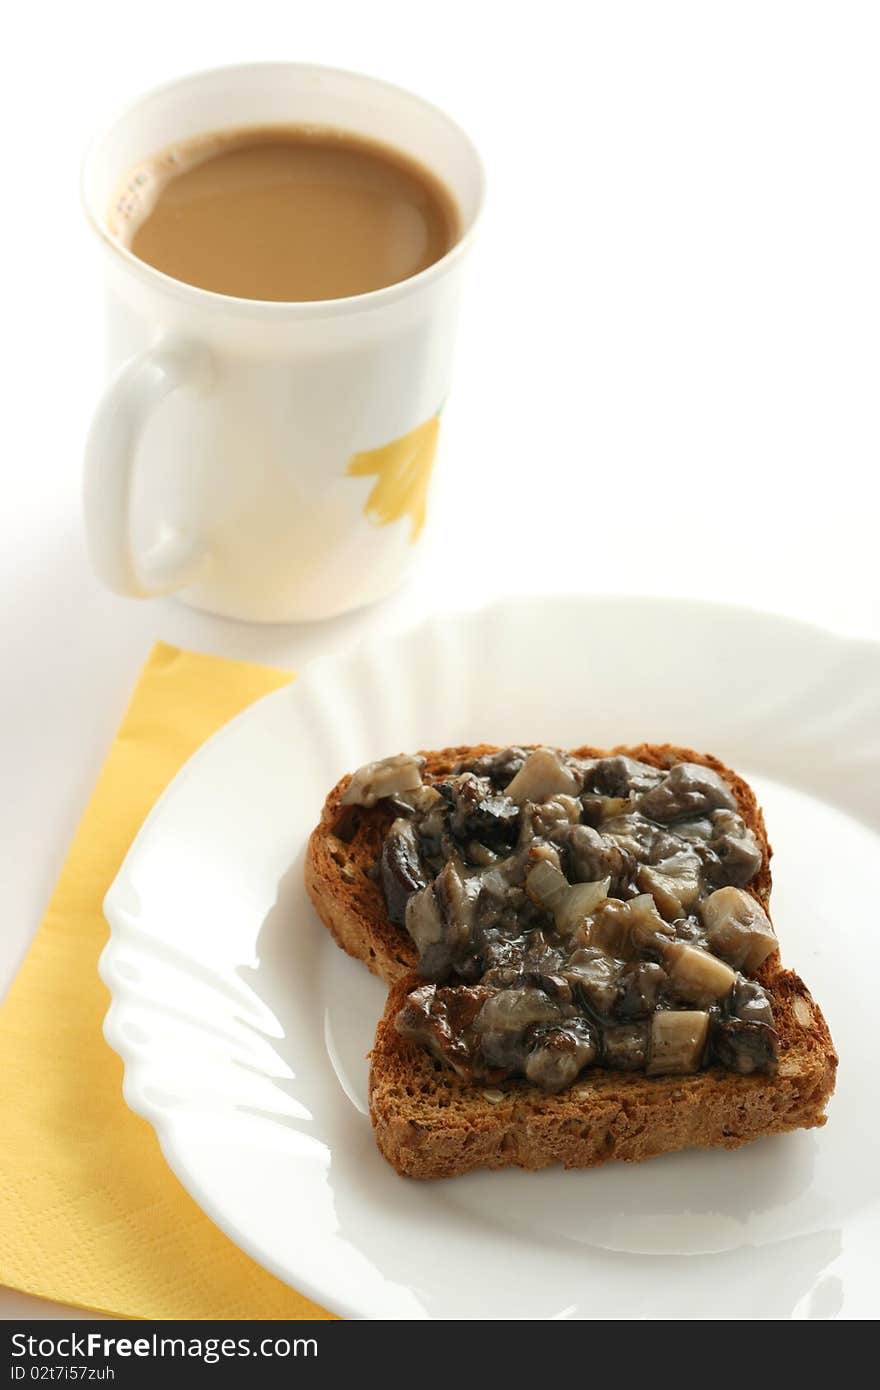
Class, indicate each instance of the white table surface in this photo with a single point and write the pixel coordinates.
(668, 368)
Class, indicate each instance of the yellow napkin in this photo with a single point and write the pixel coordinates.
(89, 1212)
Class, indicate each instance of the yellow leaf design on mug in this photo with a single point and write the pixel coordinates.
(403, 471)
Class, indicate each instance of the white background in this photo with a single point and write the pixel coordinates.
(668, 365)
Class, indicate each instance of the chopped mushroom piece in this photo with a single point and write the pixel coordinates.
(696, 976)
(737, 857)
(419, 802)
(596, 976)
(457, 894)
(541, 776)
(640, 988)
(401, 868)
(625, 928)
(558, 1055)
(559, 810)
(688, 789)
(674, 883)
(737, 928)
(478, 810)
(442, 1020)
(514, 1010)
(678, 1040)
(423, 920)
(619, 776)
(504, 1019)
(745, 1047)
(388, 777)
(593, 856)
(750, 1002)
(626, 1046)
(500, 767)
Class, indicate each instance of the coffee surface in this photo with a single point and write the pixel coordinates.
(285, 214)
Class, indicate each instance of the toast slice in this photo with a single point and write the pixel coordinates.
(429, 1122)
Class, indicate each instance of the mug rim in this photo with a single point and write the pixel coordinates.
(281, 308)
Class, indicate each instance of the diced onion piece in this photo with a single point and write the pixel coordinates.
(547, 885)
(581, 900)
(542, 776)
(388, 777)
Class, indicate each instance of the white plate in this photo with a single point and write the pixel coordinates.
(244, 1030)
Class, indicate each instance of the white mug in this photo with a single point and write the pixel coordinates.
(269, 461)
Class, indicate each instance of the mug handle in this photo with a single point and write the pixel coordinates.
(141, 384)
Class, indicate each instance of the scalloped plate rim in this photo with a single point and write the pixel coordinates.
(117, 916)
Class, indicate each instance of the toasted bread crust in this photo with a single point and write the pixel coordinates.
(431, 1123)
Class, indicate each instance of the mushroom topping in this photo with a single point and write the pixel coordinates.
(502, 960)
(626, 1046)
(674, 883)
(457, 897)
(478, 811)
(678, 1041)
(695, 976)
(480, 855)
(580, 910)
(626, 928)
(401, 868)
(547, 885)
(514, 1010)
(595, 976)
(569, 903)
(439, 919)
(540, 957)
(593, 856)
(696, 831)
(640, 989)
(642, 839)
(558, 1055)
(735, 851)
(750, 1002)
(388, 777)
(503, 1020)
(744, 1047)
(542, 776)
(620, 776)
(442, 1020)
(737, 928)
(561, 810)
(580, 901)
(688, 789)
(425, 925)
(556, 987)
(419, 802)
(500, 767)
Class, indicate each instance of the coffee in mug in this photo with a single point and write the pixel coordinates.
(295, 213)
(282, 299)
